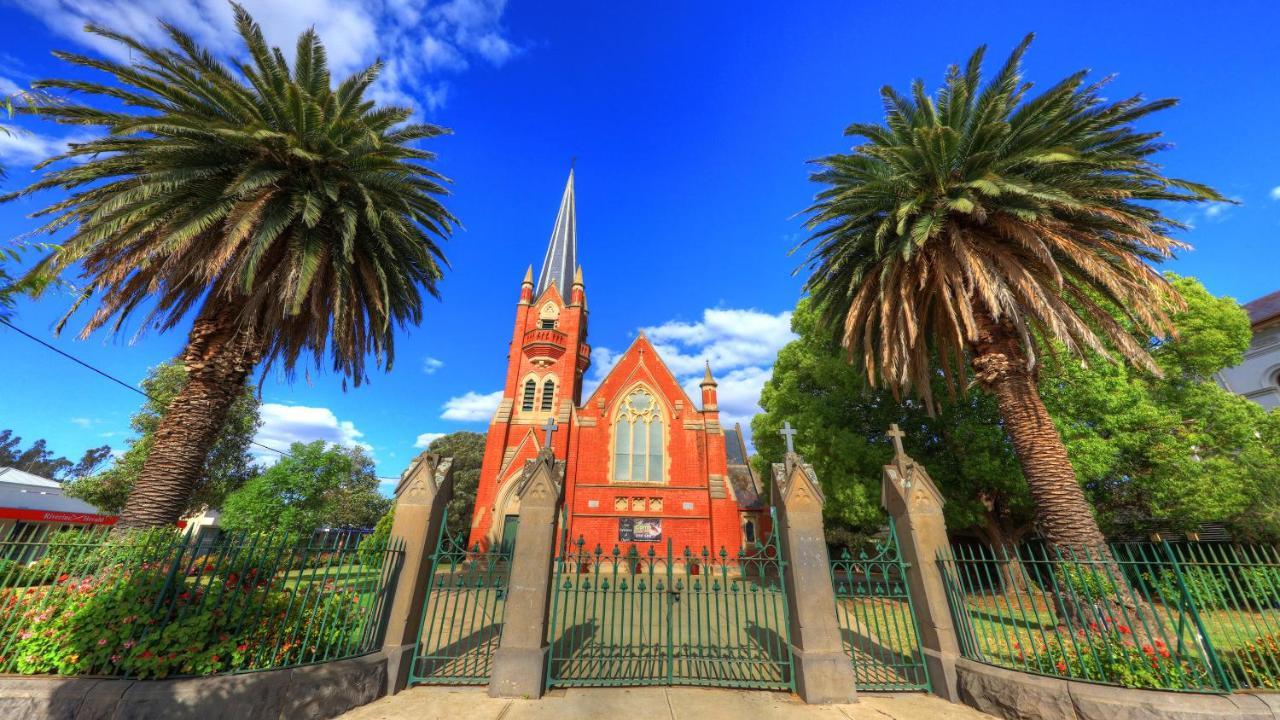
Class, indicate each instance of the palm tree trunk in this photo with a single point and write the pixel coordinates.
(219, 355)
(1065, 516)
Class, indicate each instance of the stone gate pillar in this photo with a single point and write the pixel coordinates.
(421, 497)
(520, 662)
(915, 504)
(823, 671)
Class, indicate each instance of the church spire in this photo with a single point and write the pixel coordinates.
(562, 252)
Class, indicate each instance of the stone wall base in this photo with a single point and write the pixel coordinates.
(1022, 696)
(311, 692)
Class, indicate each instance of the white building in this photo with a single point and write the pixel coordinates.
(28, 500)
(1258, 377)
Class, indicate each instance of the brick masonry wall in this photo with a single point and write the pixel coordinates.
(695, 505)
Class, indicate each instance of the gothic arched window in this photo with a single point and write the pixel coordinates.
(530, 389)
(548, 395)
(638, 440)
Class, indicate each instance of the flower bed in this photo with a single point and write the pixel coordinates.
(250, 604)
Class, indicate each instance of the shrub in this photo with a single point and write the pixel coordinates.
(1258, 661)
(1088, 583)
(1114, 656)
(139, 623)
(1260, 585)
(1207, 589)
(373, 546)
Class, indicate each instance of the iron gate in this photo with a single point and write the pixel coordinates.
(632, 617)
(462, 613)
(877, 621)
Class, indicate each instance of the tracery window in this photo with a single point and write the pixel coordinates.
(548, 395)
(530, 389)
(638, 440)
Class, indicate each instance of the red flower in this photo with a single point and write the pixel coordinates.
(1164, 652)
(1062, 667)
(1093, 626)
(1124, 629)
(242, 647)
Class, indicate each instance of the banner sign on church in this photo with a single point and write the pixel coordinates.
(639, 529)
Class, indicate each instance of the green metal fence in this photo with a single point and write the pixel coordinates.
(462, 613)
(161, 603)
(877, 621)
(1195, 616)
(660, 617)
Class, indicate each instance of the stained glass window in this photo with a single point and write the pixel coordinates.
(638, 440)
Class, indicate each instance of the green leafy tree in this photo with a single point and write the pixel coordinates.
(40, 460)
(285, 217)
(975, 228)
(227, 466)
(467, 450)
(1171, 451)
(841, 422)
(1174, 450)
(316, 485)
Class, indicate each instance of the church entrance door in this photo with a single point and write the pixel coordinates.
(650, 614)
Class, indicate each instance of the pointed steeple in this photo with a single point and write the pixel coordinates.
(562, 251)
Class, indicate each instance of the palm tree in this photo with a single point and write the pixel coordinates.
(979, 227)
(290, 218)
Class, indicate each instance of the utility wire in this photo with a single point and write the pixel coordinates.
(106, 374)
(124, 384)
(127, 386)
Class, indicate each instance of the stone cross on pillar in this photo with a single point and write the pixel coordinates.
(421, 498)
(520, 662)
(915, 504)
(823, 671)
(550, 428)
(788, 434)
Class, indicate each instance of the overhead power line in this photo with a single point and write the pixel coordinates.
(129, 386)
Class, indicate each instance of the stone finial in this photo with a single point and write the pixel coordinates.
(542, 478)
(528, 276)
(707, 380)
(423, 478)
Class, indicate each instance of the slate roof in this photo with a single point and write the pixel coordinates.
(745, 485)
(562, 251)
(1264, 308)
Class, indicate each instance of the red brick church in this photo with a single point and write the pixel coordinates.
(644, 462)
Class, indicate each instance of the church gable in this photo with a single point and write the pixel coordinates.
(640, 364)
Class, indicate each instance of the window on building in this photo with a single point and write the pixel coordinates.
(548, 395)
(638, 439)
(548, 325)
(530, 389)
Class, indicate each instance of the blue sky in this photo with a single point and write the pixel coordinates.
(692, 123)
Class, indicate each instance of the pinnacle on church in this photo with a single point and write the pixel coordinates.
(562, 251)
(707, 379)
(528, 275)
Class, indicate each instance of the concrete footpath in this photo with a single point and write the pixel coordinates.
(657, 703)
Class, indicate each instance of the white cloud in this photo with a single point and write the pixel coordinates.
(19, 147)
(283, 425)
(1275, 193)
(471, 407)
(9, 88)
(417, 39)
(425, 439)
(430, 365)
(741, 346)
(82, 421)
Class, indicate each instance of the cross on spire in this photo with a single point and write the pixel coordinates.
(550, 427)
(788, 434)
(896, 436)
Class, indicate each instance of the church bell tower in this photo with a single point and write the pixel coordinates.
(546, 362)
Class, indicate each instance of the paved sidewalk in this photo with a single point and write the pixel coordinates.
(675, 703)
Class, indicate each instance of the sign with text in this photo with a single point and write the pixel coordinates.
(639, 529)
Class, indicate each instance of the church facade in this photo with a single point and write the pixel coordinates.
(644, 462)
